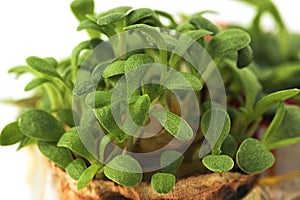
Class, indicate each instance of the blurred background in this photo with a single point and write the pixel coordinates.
(47, 28)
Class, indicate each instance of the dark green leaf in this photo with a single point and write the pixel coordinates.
(229, 146)
(245, 56)
(174, 124)
(81, 8)
(230, 40)
(252, 157)
(200, 22)
(98, 99)
(11, 134)
(183, 81)
(42, 66)
(26, 141)
(35, 83)
(59, 155)
(72, 141)
(139, 14)
(124, 170)
(40, 125)
(215, 125)
(220, 163)
(110, 18)
(76, 168)
(87, 176)
(66, 116)
(284, 129)
(163, 183)
(116, 68)
(170, 161)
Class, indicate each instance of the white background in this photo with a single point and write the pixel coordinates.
(47, 28)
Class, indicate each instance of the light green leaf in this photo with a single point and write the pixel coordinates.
(40, 125)
(271, 100)
(200, 22)
(218, 163)
(42, 66)
(87, 176)
(230, 40)
(72, 141)
(183, 81)
(137, 60)
(110, 18)
(163, 183)
(124, 170)
(170, 161)
(59, 155)
(174, 124)
(76, 168)
(115, 68)
(215, 130)
(81, 8)
(229, 146)
(83, 88)
(284, 129)
(106, 119)
(11, 134)
(98, 99)
(103, 143)
(35, 83)
(252, 157)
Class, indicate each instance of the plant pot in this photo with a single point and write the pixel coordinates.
(209, 186)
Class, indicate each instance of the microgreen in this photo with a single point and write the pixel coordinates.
(88, 111)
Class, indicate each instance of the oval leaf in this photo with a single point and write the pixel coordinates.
(183, 81)
(252, 157)
(42, 66)
(110, 18)
(11, 134)
(76, 168)
(220, 163)
(98, 99)
(174, 124)
(245, 57)
(229, 146)
(87, 176)
(170, 161)
(81, 8)
(35, 83)
(163, 183)
(40, 125)
(83, 88)
(115, 68)
(124, 170)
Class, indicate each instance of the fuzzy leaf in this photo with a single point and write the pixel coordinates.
(98, 99)
(42, 66)
(163, 183)
(200, 22)
(229, 146)
(139, 14)
(252, 157)
(110, 18)
(170, 161)
(26, 141)
(183, 81)
(174, 124)
(137, 60)
(40, 125)
(76, 168)
(103, 143)
(81, 8)
(66, 116)
(72, 141)
(227, 41)
(124, 170)
(271, 100)
(11, 134)
(215, 129)
(35, 83)
(284, 129)
(87, 176)
(59, 155)
(115, 68)
(83, 88)
(219, 163)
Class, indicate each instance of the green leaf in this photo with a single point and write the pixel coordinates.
(137, 60)
(124, 170)
(163, 183)
(200, 22)
(110, 18)
(170, 161)
(252, 157)
(183, 81)
(76, 168)
(81, 8)
(59, 155)
(284, 129)
(83, 88)
(42, 66)
(98, 99)
(271, 100)
(40, 125)
(87, 176)
(102, 145)
(26, 141)
(230, 40)
(174, 124)
(215, 125)
(72, 141)
(120, 9)
(66, 116)
(19, 70)
(35, 83)
(115, 68)
(219, 163)
(245, 56)
(139, 14)
(229, 146)
(11, 134)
